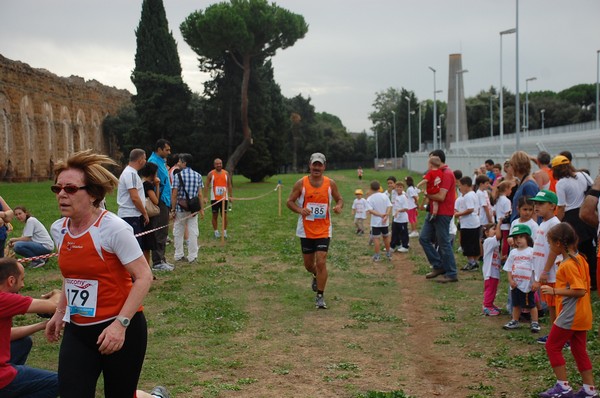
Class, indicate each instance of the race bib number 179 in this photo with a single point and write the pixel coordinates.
(82, 296)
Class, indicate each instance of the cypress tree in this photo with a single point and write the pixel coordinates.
(162, 97)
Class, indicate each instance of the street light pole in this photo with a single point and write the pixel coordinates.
(542, 111)
(434, 108)
(492, 115)
(527, 102)
(395, 143)
(440, 128)
(420, 105)
(456, 115)
(409, 135)
(501, 111)
(517, 98)
(390, 134)
(597, 88)
(376, 150)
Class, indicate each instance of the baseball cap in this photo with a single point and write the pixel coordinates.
(317, 157)
(520, 229)
(545, 196)
(560, 159)
(358, 192)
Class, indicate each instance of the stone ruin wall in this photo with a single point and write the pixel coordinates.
(45, 118)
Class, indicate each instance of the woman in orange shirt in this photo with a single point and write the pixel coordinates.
(105, 280)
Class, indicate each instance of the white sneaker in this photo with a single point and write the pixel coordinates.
(402, 250)
(413, 234)
(217, 234)
(162, 267)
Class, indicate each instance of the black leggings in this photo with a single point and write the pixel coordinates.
(80, 363)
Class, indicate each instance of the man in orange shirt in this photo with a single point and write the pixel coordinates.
(221, 188)
(311, 198)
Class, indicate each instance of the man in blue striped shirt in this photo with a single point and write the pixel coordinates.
(187, 184)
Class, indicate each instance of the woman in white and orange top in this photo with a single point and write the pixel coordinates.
(105, 280)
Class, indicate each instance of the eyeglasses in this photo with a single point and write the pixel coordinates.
(70, 189)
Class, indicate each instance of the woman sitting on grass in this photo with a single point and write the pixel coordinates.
(35, 241)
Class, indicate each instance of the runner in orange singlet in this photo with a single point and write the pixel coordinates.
(220, 187)
(311, 199)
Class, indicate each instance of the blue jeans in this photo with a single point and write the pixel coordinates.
(31, 383)
(443, 258)
(30, 249)
(19, 350)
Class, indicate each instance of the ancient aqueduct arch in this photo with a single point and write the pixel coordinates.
(45, 118)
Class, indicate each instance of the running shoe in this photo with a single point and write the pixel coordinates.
(376, 257)
(413, 234)
(389, 255)
(491, 312)
(162, 267)
(582, 394)
(512, 325)
(402, 249)
(556, 392)
(542, 340)
(217, 234)
(535, 327)
(314, 283)
(320, 302)
(160, 392)
(37, 264)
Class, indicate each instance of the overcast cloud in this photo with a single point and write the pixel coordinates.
(353, 48)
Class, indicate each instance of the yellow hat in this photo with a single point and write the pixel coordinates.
(560, 159)
(358, 192)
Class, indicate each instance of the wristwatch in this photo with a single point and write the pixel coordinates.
(124, 321)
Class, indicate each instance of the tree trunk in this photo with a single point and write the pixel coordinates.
(241, 149)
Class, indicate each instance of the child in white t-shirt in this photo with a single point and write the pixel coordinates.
(466, 209)
(400, 223)
(379, 206)
(359, 210)
(502, 208)
(545, 204)
(491, 268)
(485, 208)
(519, 266)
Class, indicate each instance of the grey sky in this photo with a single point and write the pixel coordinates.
(353, 49)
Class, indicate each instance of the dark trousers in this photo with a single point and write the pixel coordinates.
(80, 363)
(399, 234)
(158, 254)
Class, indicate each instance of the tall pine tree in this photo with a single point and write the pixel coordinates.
(162, 97)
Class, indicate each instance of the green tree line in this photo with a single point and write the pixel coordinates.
(242, 117)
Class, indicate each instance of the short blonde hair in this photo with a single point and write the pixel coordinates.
(521, 163)
(97, 178)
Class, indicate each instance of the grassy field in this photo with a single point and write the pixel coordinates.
(241, 322)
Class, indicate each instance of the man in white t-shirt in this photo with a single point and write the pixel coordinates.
(130, 193)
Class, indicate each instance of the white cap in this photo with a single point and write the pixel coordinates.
(317, 157)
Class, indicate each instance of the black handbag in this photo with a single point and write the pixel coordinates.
(188, 204)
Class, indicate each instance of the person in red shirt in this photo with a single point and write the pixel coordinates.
(311, 198)
(19, 380)
(438, 229)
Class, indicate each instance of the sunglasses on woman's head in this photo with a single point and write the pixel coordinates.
(70, 189)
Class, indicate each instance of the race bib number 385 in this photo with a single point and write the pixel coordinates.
(318, 211)
(82, 296)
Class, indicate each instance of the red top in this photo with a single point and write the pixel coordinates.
(446, 207)
(11, 304)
